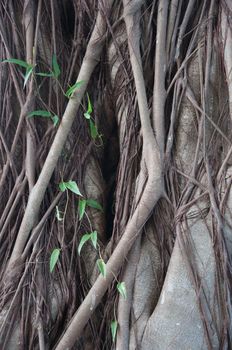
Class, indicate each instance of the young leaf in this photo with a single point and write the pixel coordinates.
(81, 208)
(40, 113)
(72, 88)
(18, 62)
(55, 66)
(93, 130)
(54, 258)
(55, 120)
(90, 108)
(72, 186)
(113, 327)
(62, 186)
(94, 238)
(27, 75)
(94, 204)
(121, 287)
(102, 267)
(41, 74)
(83, 240)
(58, 215)
(87, 115)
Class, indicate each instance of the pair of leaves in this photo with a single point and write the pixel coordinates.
(54, 258)
(56, 73)
(121, 286)
(45, 114)
(83, 203)
(29, 68)
(55, 69)
(93, 237)
(88, 236)
(73, 88)
(70, 185)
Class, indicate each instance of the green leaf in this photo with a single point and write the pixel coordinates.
(81, 208)
(18, 62)
(27, 75)
(90, 108)
(72, 186)
(41, 74)
(94, 238)
(93, 130)
(83, 240)
(102, 267)
(87, 115)
(55, 119)
(39, 113)
(58, 215)
(113, 327)
(94, 204)
(72, 88)
(62, 186)
(54, 258)
(55, 66)
(121, 287)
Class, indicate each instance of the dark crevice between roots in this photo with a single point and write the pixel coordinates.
(109, 172)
